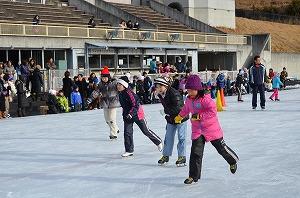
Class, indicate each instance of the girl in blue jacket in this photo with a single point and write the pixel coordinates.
(276, 83)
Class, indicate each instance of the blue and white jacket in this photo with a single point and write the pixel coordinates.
(257, 74)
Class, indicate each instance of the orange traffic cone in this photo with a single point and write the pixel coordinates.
(219, 102)
(222, 97)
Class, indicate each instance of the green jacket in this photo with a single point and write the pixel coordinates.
(63, 103)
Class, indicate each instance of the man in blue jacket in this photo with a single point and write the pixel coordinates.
(257, 78)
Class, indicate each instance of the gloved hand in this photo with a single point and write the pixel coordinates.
(196, 117)
(178, 119)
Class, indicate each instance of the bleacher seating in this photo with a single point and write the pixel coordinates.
(49, 14)
(162, 22)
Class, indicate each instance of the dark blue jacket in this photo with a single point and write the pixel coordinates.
(257, 75)
(130, 103)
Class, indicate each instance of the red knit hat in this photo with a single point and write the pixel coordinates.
(105, 72)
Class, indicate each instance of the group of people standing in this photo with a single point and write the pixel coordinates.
(23, 79)
(160, 68)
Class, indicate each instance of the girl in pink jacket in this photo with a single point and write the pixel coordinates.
(205, 128)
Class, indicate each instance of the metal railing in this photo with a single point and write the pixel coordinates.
(9, 29)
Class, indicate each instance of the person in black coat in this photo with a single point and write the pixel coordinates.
(92, 23)
(140, 90)
(52, 102)
(257, 78)
(238, 84)
(2, 98)
(67, 86)
(21, 95)
(147, 86)
(36, 80)
(176, 82)
(82, 85)
(172, 102)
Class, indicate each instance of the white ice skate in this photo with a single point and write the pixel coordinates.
(127, 154)
(160, 147)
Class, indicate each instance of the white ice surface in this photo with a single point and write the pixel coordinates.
(70, 156)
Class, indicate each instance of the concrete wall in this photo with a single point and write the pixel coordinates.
(182, 18)
(221, 13)
(212, 12)
(289, 60)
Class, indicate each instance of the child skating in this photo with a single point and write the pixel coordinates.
(205, 128)
(133, 113)
(276, 83)
(172, 102)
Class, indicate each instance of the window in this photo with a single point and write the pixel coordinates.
(2, 56)
(81, 62)
(123, 61)
(25, 55)
(94, 61)
(59, 55)
(13, 56)
(108, 60)
(47, 55)
(134, 61)
(37, 56)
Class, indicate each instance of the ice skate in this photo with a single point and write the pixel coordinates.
(112, 137)
(181, 161)
(127, 154)
(189, 180)
(163, 160)
(233, 168)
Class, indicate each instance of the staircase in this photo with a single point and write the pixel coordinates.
(162, 22)
(49, 14)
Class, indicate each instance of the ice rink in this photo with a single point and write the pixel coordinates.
(70, 156)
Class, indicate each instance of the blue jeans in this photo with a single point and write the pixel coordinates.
(169, 139)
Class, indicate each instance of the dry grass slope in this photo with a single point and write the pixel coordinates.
(248, 4)
(285, 37)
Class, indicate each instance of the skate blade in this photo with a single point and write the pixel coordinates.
(163, 164)
(192, 184)
(129, 156)
(181, 165)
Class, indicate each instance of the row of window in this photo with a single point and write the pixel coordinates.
(20, 55)
(124, 61)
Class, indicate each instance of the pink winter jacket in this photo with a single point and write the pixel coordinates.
(208, 125)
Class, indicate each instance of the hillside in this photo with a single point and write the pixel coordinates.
(285, 37)
(248, 4)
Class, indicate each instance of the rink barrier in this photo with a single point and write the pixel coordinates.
(53, 78)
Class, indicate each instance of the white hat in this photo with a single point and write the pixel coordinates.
(52, 92)
(161, 81)
(128, 75)
(123, 81)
